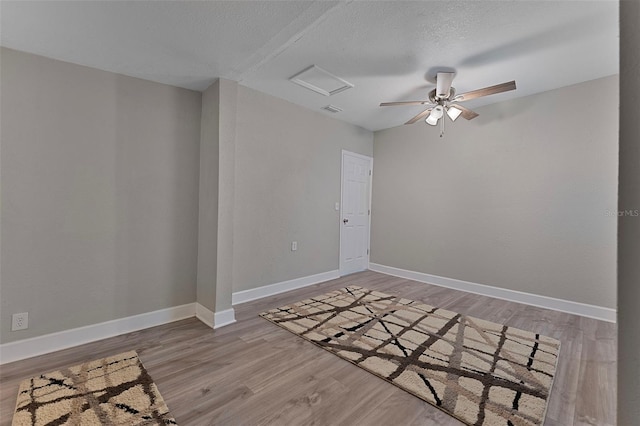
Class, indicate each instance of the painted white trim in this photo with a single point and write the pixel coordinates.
(281, 287)
(222, 318)
(27, 348)
(576, 308)
(205, 315)
(370, 159)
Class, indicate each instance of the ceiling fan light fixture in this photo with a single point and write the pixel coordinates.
(436, 114)
(453, 113)
(431, 120)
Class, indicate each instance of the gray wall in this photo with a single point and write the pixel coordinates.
(226, 193)
(99, 180)
(287, 183)
(517, 198)
(629, 226)
(217, 189)
(208, 199)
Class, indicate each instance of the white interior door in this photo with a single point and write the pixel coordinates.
(355, 212)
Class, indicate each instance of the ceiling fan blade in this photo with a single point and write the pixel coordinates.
(466, 112)
(423, 114)
(443, 84)
(405, 103)
(491, 90)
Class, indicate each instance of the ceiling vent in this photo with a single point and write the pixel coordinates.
(332, 108)
(320, 81)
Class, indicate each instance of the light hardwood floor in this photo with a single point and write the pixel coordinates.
(253, 372)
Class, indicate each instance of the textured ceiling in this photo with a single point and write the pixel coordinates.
(390, 51)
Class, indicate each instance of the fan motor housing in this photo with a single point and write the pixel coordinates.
(433, 98)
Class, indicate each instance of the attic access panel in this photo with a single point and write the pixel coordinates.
(320, 81)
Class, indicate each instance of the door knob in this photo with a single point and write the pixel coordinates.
(345, 221)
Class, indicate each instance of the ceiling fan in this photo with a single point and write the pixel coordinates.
(443, 100)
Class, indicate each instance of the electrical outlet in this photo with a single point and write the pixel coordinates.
(20, 321)
(294, 245)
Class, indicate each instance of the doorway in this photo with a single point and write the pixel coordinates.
(355, 212)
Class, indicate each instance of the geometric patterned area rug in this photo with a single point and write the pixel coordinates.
(111, 391)
(478, 371)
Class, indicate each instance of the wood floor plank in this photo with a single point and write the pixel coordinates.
(253, 372)
(562, 405)
(595, 405)
(413, 412)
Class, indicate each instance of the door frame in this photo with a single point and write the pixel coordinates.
(370, 159)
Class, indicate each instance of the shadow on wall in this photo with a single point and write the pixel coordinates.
(501, 111)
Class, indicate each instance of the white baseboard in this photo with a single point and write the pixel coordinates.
(576, 308)
(205, 315)
(27, 348)
(215, 319)
(222, 318)
(281, 287)
(40, 345)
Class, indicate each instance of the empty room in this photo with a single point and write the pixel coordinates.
(319, 212)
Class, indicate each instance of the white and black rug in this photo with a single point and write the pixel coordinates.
(478, 371)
